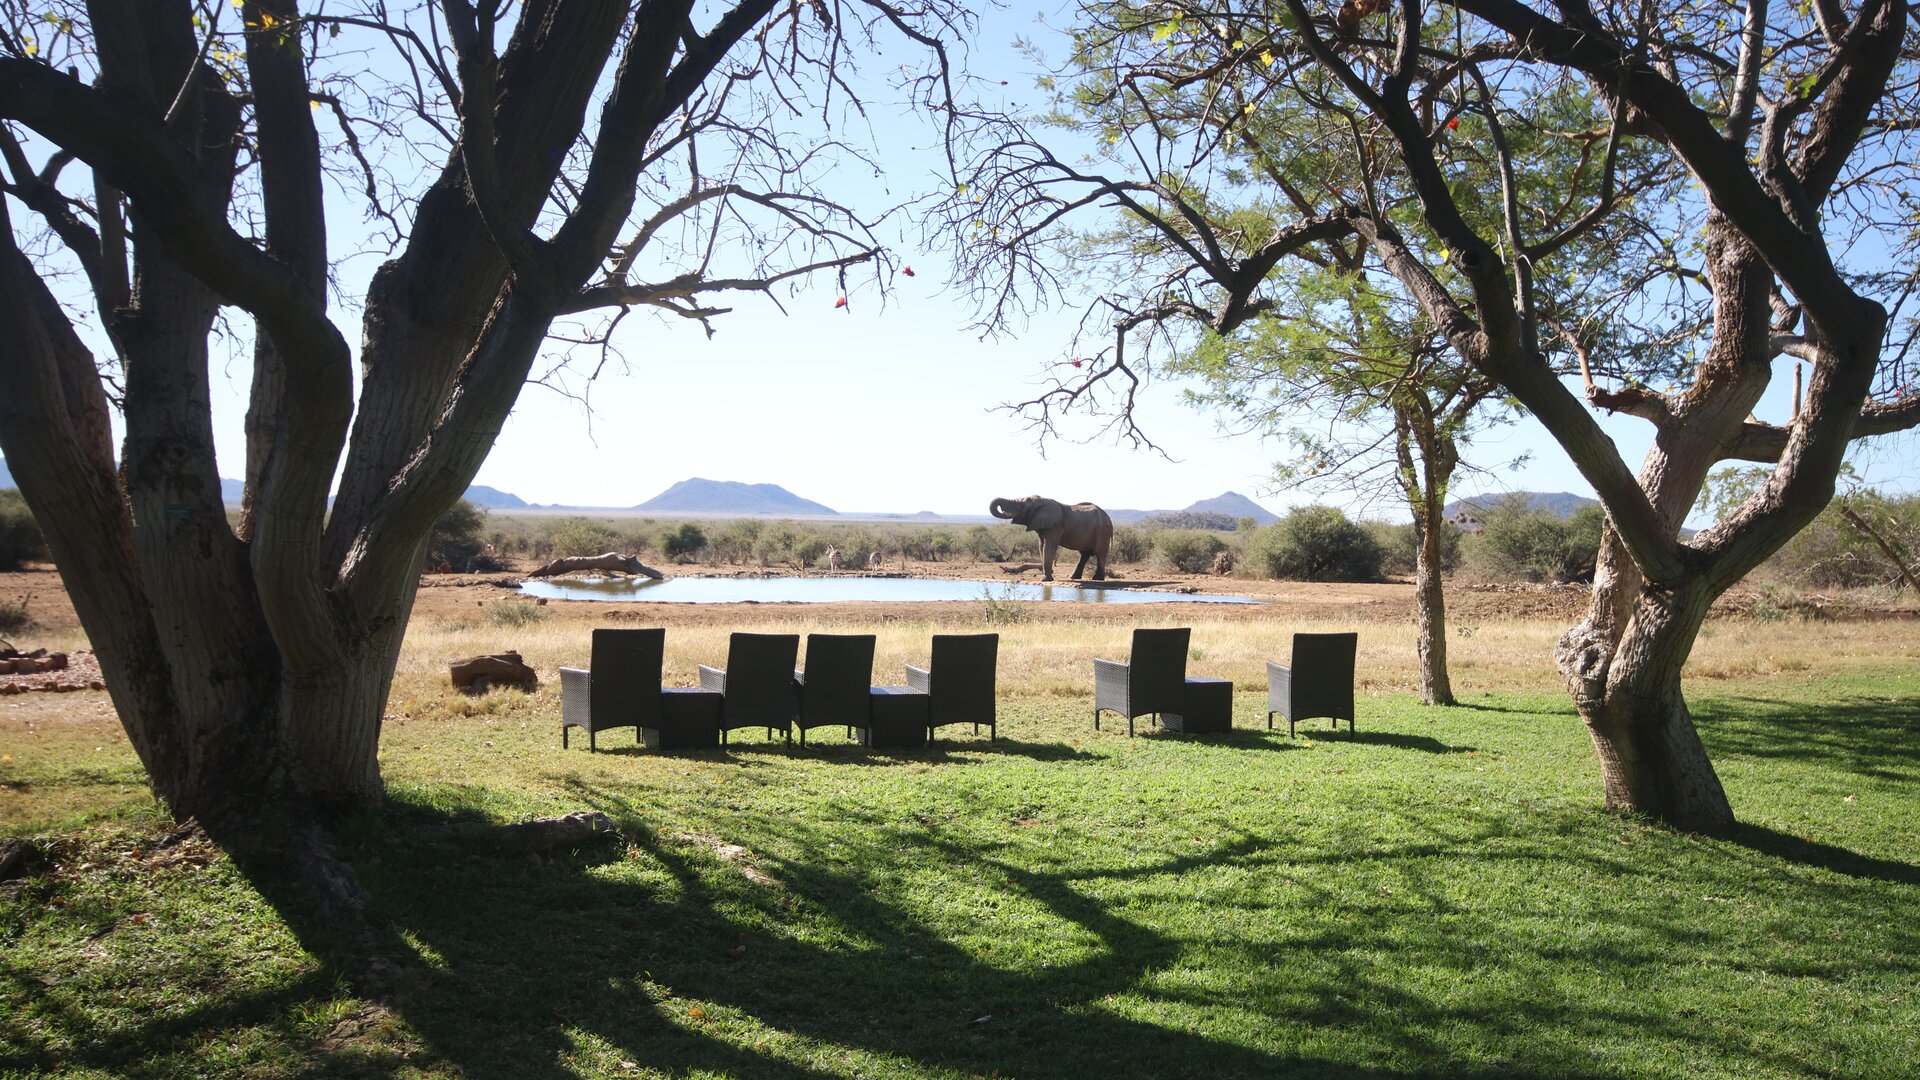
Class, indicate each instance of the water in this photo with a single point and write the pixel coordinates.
(815, 590)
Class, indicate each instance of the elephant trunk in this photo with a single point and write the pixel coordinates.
(1003, 508)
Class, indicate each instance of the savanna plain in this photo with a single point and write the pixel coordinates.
(1436, 893)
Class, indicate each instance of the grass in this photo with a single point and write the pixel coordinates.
(1437, 894)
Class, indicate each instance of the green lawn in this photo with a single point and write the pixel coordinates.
(1439, 894)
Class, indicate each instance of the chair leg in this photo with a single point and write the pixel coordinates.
(1129, 727)
(1096, 719)
(593, 747)
(563, 735)
(1269, 719)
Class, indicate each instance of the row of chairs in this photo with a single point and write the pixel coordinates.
(761, 687)
(1316, 682)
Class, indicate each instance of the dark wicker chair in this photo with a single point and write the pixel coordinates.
(834, 687)
(959, 682)
(1318, 683)
(757, 683)
(622, 689)
(1152, 680)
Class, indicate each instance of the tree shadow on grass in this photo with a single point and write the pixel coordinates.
(1876, 738)
(683, 955)
(1805, 852)
(1425, 744)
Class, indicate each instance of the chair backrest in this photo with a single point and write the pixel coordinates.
(961, 675)
(1323, 674)
(760, 680)
(839, 674)
(626, 676)
(1157, 670)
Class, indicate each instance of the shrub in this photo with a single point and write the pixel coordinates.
(1316, 543)
(1002, 610)
(734, 541)
(20, 539)
(1399, 546)
(682, 542)
(454, 541)
(987, 543)
(1518, 542)
(14, 616)
(511, 613)
(580, 536)
(1131, 544)
(1188, 550)
(1831, 553)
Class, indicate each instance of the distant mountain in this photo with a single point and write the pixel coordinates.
(231, 491)
(698, 496)
(1232, 504)
(1236, 506)
(494, 498)
(1559, 503)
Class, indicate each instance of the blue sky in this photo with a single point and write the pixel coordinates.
(889, 403)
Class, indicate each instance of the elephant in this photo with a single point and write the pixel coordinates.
(1082, 527)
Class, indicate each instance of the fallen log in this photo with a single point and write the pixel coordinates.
(612, 562)
(476, 673)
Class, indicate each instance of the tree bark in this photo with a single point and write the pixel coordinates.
(1651, 758)
(1430, 607)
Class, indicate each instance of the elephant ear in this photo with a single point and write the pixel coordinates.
(1045, 514)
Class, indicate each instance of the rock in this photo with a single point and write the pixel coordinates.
(477, 673)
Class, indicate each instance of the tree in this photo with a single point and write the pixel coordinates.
(1214, 140)
(1792, 125)
(183, 171)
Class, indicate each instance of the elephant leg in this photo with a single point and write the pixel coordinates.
(1049, 547)
(1081, 565)
(1099, 568)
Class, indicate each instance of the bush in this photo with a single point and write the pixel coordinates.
(1831, 553)
(1518, 542)
(1188, 550)
(512, 613)
(1315, 543)
(1399, 547)
(1130, 545)
(454, 542)
(580, 536)
(682, 542)
(734, 541)
(14, 616)
(987, 543)
(20, 539)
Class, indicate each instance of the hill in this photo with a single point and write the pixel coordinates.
(700, 496)
(1231, 504)
(1236, 506)
(494, 498)
(1559, 503)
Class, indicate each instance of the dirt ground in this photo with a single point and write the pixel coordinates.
(455, 595)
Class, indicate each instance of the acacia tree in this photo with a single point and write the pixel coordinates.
(1216, 141)
(1793, 124)
(593, 156)
(1371, 401)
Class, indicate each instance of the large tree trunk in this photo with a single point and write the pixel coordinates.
(1430, 608)
(1623, 668)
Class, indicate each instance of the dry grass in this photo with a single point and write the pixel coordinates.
(1050, 656)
